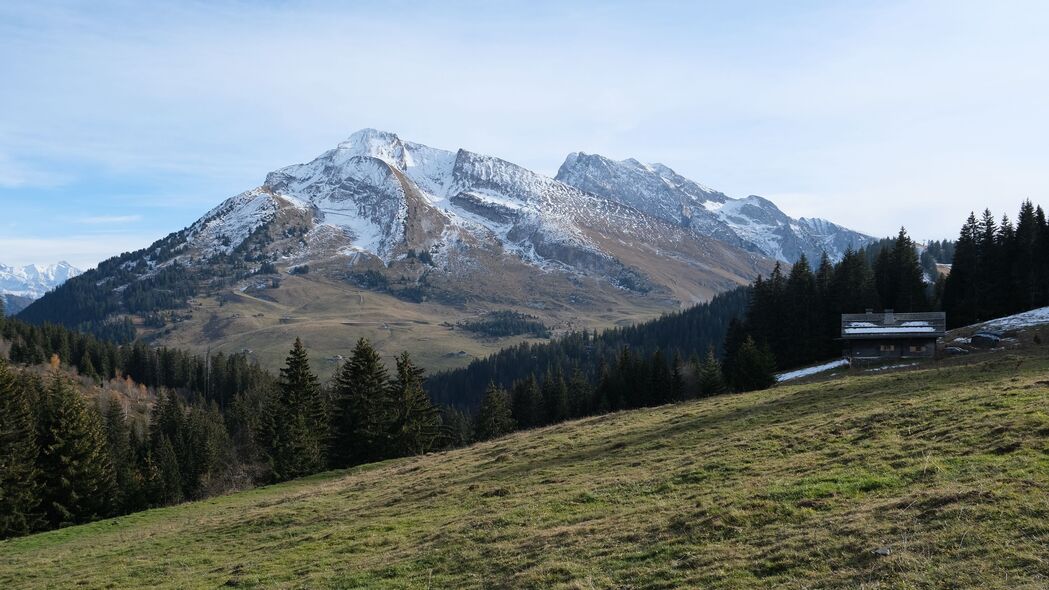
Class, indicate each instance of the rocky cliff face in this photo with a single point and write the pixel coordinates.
(753, 223)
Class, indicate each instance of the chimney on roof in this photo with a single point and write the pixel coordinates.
(890, 317)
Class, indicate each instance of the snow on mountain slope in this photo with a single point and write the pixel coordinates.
(378, 196)
(1027, 319)
(377, 189)
(754, 223)
(420, 224)
(34, 280)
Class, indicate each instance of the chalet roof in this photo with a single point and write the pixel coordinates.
(880, 326)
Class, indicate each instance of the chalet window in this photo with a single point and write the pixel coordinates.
(917, 348)
(888, 347)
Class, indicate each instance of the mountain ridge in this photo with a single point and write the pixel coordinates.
(753, 222)
(385, 222)
(33, 280)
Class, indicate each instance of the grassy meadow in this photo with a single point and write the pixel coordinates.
(930, 478)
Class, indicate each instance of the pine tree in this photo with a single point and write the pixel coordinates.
(527, 403)
(121, 455)
(298, 421)
(908, 276)
(555, 397)
(800, 316)
(828, 308)
(414, 422)
(1042, 258)
(168, 476)
(456, 429)
(884, 279)
(678, 391)
(86, 367)
(710, 378)
(359, 398)
(961, 293)
(658, 389)
(19, 475)
(494, 418)
(1025, 259)
(753, 368)
(734, 338)
(987, 265)
(78, 482)
(580, 394)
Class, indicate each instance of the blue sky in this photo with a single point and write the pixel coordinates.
(123, 121)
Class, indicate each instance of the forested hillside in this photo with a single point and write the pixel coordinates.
(785, 320)
(924, 479)
(686, 335)
(76, 451)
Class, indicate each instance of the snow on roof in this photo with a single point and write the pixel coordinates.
(892, 324)
(887, 329)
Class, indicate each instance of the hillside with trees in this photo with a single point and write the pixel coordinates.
(75, 451)
(895, 480)
(219, 423)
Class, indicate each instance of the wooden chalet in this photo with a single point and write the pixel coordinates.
(885, 336)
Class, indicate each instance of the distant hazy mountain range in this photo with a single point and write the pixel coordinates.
(19, 286)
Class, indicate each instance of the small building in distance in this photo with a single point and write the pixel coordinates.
(885, 336)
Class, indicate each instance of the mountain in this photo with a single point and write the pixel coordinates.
(398, 241)
(14, 304)
(753, 223)
(33, 280)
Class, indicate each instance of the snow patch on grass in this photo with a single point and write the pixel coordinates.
(807, 371)
(1027, 319)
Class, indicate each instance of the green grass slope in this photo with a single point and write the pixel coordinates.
(793, 487)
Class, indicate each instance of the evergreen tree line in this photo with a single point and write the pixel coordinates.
(941, 251)
(55, 467)
(687, 334)
(631, 381)
(142, 283)
(927, 260)
(66, 461)
(796, 318)
(219, 378)
(999, 268)
(366, 414)
(500, 324)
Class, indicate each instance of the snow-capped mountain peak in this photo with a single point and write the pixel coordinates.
(387, 196)
(377, 199)
(33, 280)
(753, 222)
(373, 143)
